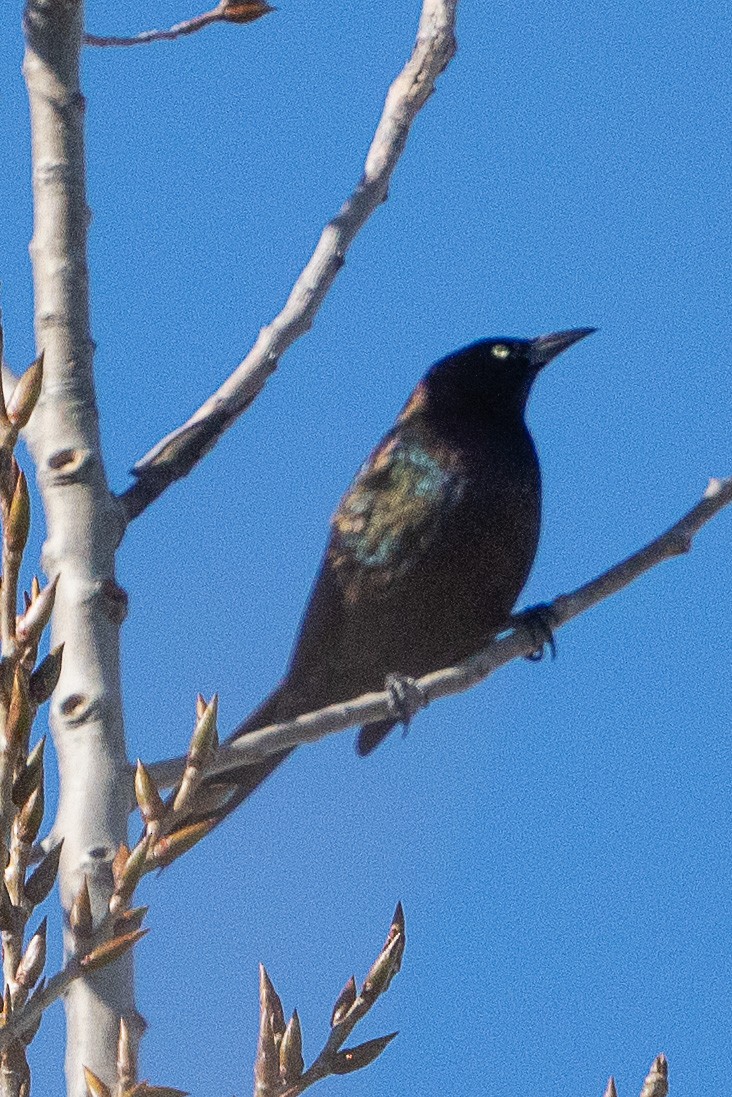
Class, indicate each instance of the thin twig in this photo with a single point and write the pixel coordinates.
(228, 11)
(278, 1069)
(188, 26)
(521, 641)
(29, 1014)
(323, 1065)
(175, 456)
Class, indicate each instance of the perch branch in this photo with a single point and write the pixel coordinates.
(175, 456)
(519, 643)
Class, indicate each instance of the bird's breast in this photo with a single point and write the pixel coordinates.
(431, 548)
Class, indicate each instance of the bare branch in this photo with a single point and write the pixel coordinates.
(83, 521)
(521, 642)
(175, 456)
(227, 11)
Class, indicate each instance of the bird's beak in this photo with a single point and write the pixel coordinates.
(546, 347)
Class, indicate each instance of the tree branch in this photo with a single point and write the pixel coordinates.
(521, 642)
(175, 456)
(83, 525)
(227, 11)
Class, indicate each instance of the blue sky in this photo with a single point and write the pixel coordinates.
(560, 835)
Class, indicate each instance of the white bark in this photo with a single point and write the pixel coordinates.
(179, 451)
(83, 526)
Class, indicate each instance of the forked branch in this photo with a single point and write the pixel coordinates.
(279, 1069)
(175, 456)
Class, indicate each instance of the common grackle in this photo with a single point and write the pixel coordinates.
(428, 551)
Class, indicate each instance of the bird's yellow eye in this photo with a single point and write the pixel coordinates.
(500, 350)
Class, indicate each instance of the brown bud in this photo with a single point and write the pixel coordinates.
(203, 746)
(119, 862)
(267, 1062)
(8, 466)
(126, 1057)
(383, 969)
(110, 950)
(44, 678)
(18, 522)
(292, 1063)
(205, 740)
(245, 11)
(656, 1083)
(25, 394)
(397, 924)
(80, 915)
(39, 885)
(354, 1058)
(189, 782)
(95, 1087)
(270, 1000)
(20, 713)
(148, 798)
(167, 849)
(130, 875)
(31, 776)
(31, 625)
(34, 958)
(29, 818)
(8, 913)
(344, 1001)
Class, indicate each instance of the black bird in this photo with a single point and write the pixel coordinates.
(429, 548)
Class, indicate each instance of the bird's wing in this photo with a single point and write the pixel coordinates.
(392, 514)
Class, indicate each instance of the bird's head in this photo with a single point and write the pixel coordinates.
(494, 374)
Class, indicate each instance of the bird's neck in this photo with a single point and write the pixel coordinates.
(451, 411)
(466, 427)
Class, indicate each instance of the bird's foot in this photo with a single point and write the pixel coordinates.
(539, 621)
(405, 698)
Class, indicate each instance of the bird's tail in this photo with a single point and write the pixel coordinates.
(219, 795)
(371, 735)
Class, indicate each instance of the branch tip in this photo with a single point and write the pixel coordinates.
(181, 450)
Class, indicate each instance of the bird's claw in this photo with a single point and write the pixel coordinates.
(406, 697)
(540, 622)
